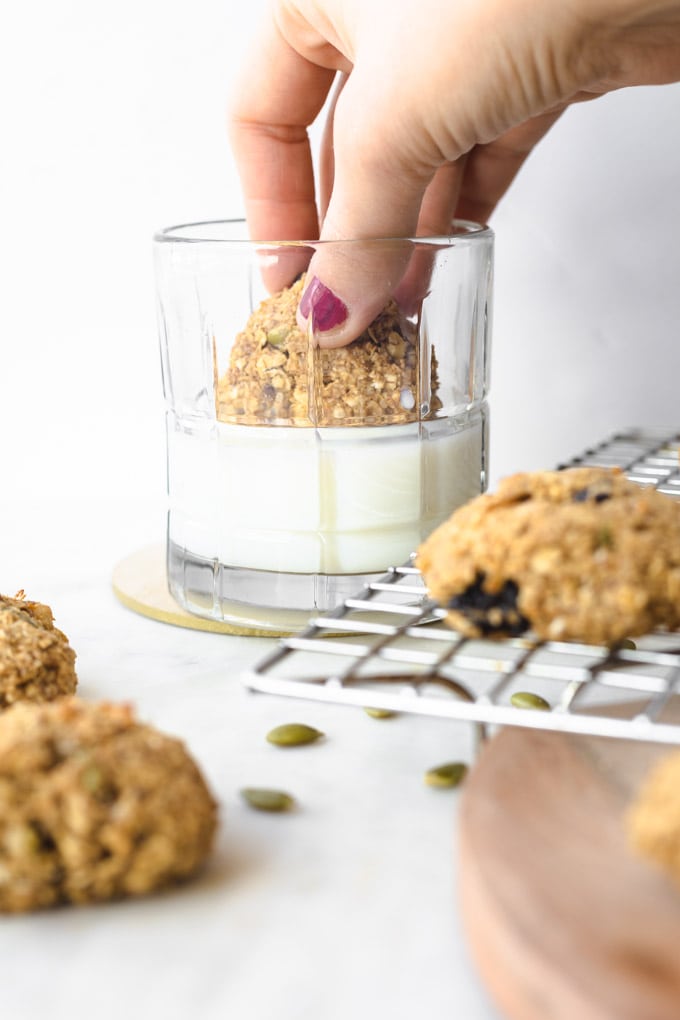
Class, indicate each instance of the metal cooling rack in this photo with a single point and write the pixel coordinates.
(388, 648)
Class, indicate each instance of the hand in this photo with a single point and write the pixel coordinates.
(439, 105)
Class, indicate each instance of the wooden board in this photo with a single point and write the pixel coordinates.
(563, 920)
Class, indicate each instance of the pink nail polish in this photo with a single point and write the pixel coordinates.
(326, 309)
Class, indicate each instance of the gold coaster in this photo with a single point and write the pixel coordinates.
(140, 583)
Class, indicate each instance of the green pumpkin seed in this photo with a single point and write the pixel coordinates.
(22, 840)
(263, 799)
(293, 735)
(92, 779)
(277, 335)
(380, 713)
(627, 643)
(525, 699)
(95, 781)
(446, 776)
(604, 538)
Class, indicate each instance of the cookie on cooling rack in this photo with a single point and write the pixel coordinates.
(36, 660)
(95, 806)
(581, 554)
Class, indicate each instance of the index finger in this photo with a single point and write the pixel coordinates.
(278, 94)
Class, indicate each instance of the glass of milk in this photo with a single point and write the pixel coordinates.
(280, 506)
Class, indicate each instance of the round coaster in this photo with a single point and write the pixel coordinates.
(140, 583)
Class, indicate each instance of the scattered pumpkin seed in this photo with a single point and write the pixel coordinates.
(263, 799)
(446, 776)
(293, 735)
(526, 699)
(380, 713)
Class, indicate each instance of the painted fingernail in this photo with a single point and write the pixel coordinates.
(326, 309)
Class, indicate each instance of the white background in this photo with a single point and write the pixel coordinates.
(113, 125)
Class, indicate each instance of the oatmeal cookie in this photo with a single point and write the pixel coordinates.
(373, 380)
(36, 660)
(95, 806)
(581, 554)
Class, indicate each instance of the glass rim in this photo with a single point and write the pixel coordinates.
(462, 230)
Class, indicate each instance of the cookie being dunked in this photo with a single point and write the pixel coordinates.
(581, 554)
(272, 378)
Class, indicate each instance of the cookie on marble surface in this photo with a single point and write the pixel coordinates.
(581, 554)
(36, 660)
(94, 806)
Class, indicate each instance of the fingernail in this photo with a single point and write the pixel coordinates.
(326, 309)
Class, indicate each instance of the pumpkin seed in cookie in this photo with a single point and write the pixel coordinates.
(604, 538)
(277, 335)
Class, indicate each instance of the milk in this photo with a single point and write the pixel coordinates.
(318, 501)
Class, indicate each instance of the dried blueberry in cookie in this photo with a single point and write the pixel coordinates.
(491, 613)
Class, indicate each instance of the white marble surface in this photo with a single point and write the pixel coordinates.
(345, 908)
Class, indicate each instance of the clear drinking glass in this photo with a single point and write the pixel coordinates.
(295, 473)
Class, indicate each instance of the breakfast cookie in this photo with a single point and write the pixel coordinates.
(373, 380)
(95, 806)
(581, 554)
(36, 660)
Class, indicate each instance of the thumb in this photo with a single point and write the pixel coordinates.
(365, 245)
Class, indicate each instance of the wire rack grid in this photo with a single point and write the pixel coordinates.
(388, 648)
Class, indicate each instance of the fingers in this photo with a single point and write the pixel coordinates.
(469, 189)
(386, 175)
(437, 212)
(491, 168)
(269, 117)
(349, 284)
(374, 206)
(327, 156)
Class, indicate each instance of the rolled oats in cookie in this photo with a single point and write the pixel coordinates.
(581, 554)
(36, 660)
(95, 806)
